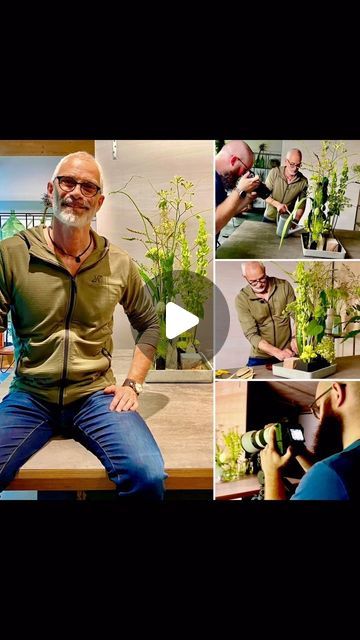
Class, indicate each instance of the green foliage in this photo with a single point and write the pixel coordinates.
(219, 145)
(319, 288)
(310, 307)
(228, 456)
(291, 217)
(329, 181)
(171, 270)
(326, 349)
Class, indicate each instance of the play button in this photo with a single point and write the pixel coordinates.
(185, 310)
(178, 320)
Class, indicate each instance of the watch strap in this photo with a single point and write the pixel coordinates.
(136, 386)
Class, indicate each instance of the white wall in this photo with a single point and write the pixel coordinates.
(272, 146)
(158, 161)
(308, 147)
(229, 280)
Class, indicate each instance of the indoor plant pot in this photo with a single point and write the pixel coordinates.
(316, 363)
(309, 252)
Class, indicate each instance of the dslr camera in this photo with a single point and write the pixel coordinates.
(286, 435)
(261, 190)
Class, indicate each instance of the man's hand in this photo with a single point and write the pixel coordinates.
(282, 354)
(246, 204)
(294, 347)
(271, 460)
(247, 184)
(282, 208)
(125, 398)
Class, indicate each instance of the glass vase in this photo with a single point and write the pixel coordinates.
(12, 226)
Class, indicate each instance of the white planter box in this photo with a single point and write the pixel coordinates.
(297, 374)
(318, 253)
(182, 375)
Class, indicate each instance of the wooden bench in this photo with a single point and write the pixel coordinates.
(65, 465)
(180, 417)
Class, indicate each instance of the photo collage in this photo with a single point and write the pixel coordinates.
(180, 320)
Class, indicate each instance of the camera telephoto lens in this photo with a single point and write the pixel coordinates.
(253, 441)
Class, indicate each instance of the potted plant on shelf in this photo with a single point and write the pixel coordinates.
(174, 272)
(260, 162)
(230, 459)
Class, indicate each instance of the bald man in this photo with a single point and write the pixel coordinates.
(286, 183)
(337, 475)
(260, 307)
(62, 284)
(233, 164)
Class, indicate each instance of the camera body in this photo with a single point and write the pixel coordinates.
(262, 191)
(286, 434)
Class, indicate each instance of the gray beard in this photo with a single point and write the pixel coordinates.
(66, 215)
(71, 220)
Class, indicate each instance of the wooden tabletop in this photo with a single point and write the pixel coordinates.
(246, 487)
(348, 368)
(258, 240)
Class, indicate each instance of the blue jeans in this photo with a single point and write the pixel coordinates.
(122, 441)
(254, 362)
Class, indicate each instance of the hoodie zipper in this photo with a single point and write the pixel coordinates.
(273, 323)
(67, 341)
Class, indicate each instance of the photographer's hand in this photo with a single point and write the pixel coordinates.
(247, 184)
(272, 463)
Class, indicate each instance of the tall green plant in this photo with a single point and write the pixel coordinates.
(309, 310)
(164, 237)
(329, 181)
(228, 456)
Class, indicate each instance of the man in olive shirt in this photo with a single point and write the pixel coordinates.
(259, 306)
(62, 284)
(287, 184)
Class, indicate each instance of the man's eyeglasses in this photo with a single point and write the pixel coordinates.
(251, 174)
(88, 189)
(262, 280)
(314, 408)
(294, 164)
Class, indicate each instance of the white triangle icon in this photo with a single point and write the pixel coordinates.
(178, 320)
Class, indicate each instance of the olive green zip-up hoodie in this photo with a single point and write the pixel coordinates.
(64, 324)
(284, 191)
(263, 320)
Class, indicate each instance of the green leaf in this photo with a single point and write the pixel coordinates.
(313, 328)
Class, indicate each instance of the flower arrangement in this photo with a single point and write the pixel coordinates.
(319, 289)
(329, 181)
(229, 456)
(328, 185)
(174, 270)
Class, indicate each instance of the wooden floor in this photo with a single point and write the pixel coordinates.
(180, 417)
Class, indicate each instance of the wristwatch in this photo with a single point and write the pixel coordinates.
(241, 194)
(136, 386)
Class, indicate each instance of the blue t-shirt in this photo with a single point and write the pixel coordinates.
(335, 478)
(220, 193)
